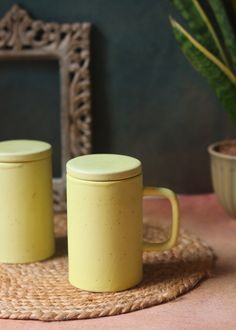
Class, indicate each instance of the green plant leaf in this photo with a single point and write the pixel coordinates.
(233, 4)
(200, 26)
(218, 75)
(226, 27)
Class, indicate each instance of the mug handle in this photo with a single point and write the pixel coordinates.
(171, 196)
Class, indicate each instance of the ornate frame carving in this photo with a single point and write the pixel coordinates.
(23, 37)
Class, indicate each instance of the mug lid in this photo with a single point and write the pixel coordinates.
(23, 150)
(103, 167)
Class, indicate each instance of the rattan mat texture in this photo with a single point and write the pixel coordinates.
(41, 290)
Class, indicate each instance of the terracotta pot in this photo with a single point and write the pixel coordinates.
(223, 172)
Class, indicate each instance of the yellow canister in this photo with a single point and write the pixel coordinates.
(104, 205)
(26, 207)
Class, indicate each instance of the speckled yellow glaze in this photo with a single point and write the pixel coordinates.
(105, 225)
(26, 216)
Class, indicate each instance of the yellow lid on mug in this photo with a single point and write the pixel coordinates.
(104, 167)
(24, 150)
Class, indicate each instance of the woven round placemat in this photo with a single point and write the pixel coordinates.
(41, 290)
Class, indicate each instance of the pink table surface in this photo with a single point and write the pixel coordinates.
(211, 305)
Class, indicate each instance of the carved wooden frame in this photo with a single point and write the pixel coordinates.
(22, 37)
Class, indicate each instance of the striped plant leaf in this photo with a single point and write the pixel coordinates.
(222, 80)
(226, 27)
(200, 26)
(233, 4)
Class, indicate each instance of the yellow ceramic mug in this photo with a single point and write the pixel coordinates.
(26, 214)
(104, 203)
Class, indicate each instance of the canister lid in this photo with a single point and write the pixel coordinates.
(103, 167)
(23, 150)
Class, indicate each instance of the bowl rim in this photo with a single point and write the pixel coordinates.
(213, 152)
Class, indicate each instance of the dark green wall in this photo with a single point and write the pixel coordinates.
(147, 100)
